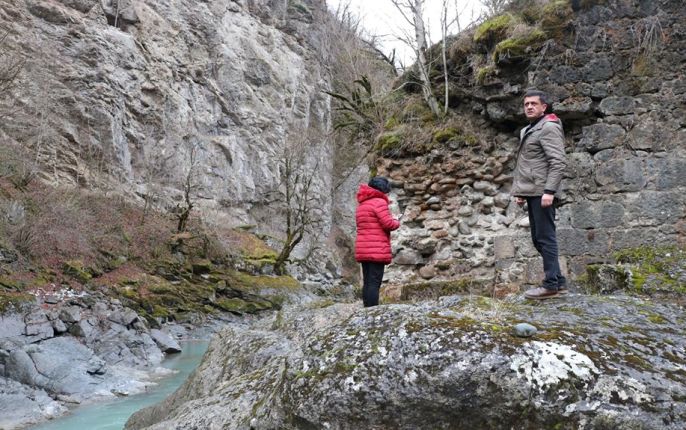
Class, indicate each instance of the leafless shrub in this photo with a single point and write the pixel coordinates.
(24, 239)
(494, 7)
(299, 199)
(648, 35)
(11, 66)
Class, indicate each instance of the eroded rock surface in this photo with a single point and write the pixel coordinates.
(597, 362)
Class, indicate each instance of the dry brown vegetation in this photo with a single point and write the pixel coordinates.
(54, 238)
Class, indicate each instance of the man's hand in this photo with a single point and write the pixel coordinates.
(547, 200)
(519, 200)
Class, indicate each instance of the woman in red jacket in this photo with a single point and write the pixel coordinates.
(373, 243)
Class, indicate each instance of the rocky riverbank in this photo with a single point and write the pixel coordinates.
(68, 349)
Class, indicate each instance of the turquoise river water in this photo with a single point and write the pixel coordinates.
(112, 415)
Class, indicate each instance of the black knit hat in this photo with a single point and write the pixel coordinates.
(380, 183)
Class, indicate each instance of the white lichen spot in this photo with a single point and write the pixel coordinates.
(546, 364)
(402, 334)
(410, 376)
(350, 384)
(627, 390)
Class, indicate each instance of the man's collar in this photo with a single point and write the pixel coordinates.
(536, 121)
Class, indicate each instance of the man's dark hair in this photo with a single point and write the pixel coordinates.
(380, 183)
(543, 96)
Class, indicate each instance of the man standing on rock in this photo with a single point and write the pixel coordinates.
(537, 176)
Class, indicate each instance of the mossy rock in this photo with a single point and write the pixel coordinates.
(252, 247)
(77, 270)
(483, 74)
(201, 267)
(446, 134)
(415, 110)
(254, 284)
(12, 301)
(655, 269)
(517, 48)
(454, 137)
(650, 270)
(605, 279)
(389, 142)
(556, 17)
(495, 29)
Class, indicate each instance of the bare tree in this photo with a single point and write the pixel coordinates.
(413, 12)
(494, 7)
(10, 66)
(299, 198)
(189, 187)
(444, 56)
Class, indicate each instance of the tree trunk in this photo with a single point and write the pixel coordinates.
(420, 37)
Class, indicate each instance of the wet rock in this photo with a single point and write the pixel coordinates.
(165, 342)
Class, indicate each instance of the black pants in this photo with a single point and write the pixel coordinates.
(542, 222)
(372, 275)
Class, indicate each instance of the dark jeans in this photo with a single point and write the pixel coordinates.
(542, 222)
(372, 274)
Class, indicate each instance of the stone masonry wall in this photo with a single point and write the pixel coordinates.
(622, 102)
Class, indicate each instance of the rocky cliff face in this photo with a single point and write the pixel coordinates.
(141, 95)
(615, 72)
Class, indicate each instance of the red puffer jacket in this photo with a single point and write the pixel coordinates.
(374, 226)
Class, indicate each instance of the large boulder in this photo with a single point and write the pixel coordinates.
(596, 362)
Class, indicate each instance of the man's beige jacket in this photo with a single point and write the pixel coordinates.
(540, 158)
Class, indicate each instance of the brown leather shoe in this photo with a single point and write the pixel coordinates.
(540, 293)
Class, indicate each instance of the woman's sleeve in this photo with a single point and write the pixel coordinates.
(386, 220)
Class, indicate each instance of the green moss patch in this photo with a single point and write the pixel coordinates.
(455, 136)
(389, 142)
(494, 29)
(415, 110)
(9, 301)
(446, 134)
(518, 47)
(254, 284)
(77, 270)
(642, 270)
